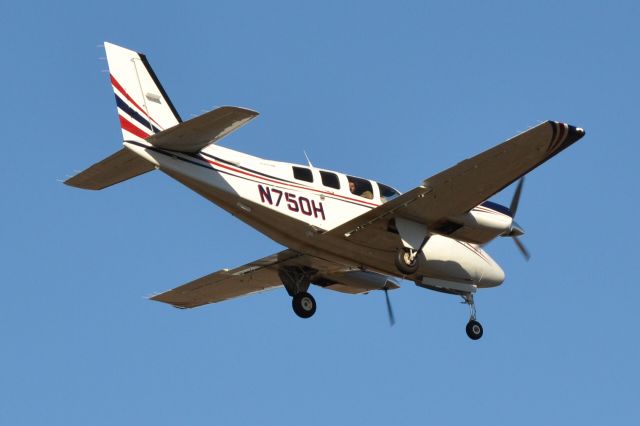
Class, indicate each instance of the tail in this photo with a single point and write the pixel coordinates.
(144, 109)
(143, 106)
(146, 113)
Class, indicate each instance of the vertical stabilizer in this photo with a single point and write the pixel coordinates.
(143, 106)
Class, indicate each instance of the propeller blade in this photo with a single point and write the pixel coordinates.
(522, 248)
(516, 197)
(392, 318)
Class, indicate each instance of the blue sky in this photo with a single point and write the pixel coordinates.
(391, 91)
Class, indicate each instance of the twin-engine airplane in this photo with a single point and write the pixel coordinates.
(343, 232)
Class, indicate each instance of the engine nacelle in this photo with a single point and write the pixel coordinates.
(460, 262)
(482, 224)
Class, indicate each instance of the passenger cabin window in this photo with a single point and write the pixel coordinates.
(330, 180)
(387, 193)
(360, 187)
(302, 173)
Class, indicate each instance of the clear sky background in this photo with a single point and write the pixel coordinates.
(394, 91)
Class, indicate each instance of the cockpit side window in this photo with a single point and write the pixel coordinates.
(387, 193)
(360, 187)
(302, 173)
(330, 179)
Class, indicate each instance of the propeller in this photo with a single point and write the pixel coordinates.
(522, 248)
(516, 197)
(516, 230)
(392, 318)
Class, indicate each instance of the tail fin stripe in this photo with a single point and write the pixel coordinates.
(131, 128)
(134, 115)
(117, 85)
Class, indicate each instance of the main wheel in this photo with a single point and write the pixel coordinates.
(404, 263)
(304, 305)
(474, 330)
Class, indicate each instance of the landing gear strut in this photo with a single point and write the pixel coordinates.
(474, 328)
(406, 258)
(296, 281)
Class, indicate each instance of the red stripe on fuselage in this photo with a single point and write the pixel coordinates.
(131, 128)
(215, 163)
(126, 95)
(477, 251)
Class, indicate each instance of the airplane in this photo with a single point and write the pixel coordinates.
(341, 232)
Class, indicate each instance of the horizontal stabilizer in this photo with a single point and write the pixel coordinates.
(193, 135)
(119, 167)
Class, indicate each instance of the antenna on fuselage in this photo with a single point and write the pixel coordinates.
(307, 157)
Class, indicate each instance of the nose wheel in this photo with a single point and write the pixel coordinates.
(474, 328)
(304, 305)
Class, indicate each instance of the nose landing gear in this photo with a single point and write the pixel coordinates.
(474, 328)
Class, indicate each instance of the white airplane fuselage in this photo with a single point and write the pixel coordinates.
(295, 213)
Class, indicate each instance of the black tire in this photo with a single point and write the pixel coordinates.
(403, 264)
(304, 305)
(474, 330)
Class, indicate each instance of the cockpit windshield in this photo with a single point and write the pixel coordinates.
(387, 193)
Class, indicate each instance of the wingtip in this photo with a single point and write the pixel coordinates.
(575, 133)
(563, 135)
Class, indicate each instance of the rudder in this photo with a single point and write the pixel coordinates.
(144, 108)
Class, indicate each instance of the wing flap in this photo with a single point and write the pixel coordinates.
(193, 135)
(116, 168)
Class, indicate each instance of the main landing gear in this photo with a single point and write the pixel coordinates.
(414, 237)
(406, 260)
(474, 328)
(304, 305)
(296, 281)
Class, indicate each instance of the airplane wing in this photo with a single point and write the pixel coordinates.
(467, 184)
(263, 274)
(210, 127)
